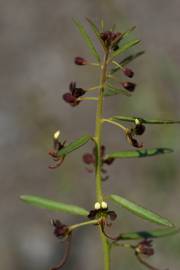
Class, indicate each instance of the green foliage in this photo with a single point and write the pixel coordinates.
(139, 153)
(96, 32)
(140, 211)
(126, 47)
(144, 121)
(149, 234)
(74, 145)
(114, 44)
(127, 60)
(87, 39)
(54, 206)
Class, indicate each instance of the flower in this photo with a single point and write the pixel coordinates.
(131, 139)
(60, 230)
(57, 146)
(111, 39)
(72, 96)
(90, 158)
(145, 248)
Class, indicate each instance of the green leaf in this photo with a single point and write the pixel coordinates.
(111, 91)
(74, 145)
(127, 46)
(143, 121)
(129, 31)
(130, 58)
(127, 60)
(149, 234)
(87, 39)
(96, 31)
(53, 205)
(139, 153)
(140, 211)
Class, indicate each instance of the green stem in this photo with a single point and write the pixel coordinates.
(99, 112)
(99, 193)
(87, 98)
(106, 251)
(76, 226)
(114, 123)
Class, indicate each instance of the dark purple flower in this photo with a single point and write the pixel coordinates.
(111, 39)
(145, 248)
(69, 98)
(129, 86)
(60, 230)
(74, 94)
(139, 129)
(80, 61)
(131, 139)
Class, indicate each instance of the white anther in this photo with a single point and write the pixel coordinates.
(104, 205)
(97, 206)
(137, 122)
(56, 134)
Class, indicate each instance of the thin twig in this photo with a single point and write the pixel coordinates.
(66, 254)
(145, 263)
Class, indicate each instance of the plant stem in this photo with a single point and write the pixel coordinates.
(87, 98)
(75, 226)
(99, 112)
(99, 193)
(114, 123)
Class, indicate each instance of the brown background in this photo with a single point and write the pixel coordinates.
(37, 44)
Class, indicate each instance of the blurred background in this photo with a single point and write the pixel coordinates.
(38, 42)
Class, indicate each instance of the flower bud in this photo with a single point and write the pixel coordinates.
(128, 72)
(69, 98)
(80, 61)
(129, 86)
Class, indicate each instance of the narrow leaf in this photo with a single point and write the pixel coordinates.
(74, 145)
(149, 234)
(127, 46)
(53, 205)
(139, 153)
(140, 211)
(144, 121)
(96, 31)
(130, 58)
(129, 31)
(87, 39)
(127, 60)
(111, 91)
